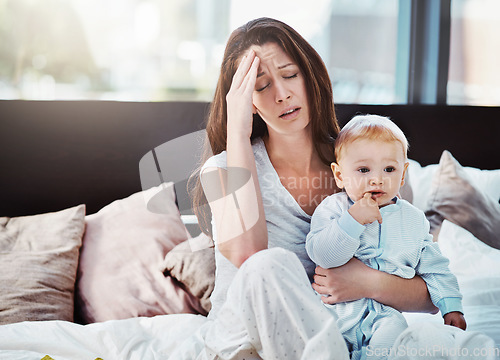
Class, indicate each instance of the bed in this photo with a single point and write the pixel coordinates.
(97, 237)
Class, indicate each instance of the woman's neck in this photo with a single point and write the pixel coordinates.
(294, 153)
(300, 170)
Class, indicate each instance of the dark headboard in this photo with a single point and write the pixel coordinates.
(60, 154)
(57, 154)
(470, 133)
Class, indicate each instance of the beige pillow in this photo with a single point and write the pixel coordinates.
(454, 198)
(120, 274)
(195, 269)
(38, 262)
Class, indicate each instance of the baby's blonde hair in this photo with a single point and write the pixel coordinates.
(372, 127)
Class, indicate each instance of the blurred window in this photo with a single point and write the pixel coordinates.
(474, 71)
(361, 55)
(155, 50)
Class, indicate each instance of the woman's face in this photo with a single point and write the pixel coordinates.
(280, 96)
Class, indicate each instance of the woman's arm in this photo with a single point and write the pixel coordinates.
(234, 194)
(355, 280)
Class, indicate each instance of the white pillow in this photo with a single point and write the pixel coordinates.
(420, 179)
(475, 264)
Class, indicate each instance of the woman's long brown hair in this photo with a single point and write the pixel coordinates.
(324, 124)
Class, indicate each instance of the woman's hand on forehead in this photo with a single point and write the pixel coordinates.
(239, 98)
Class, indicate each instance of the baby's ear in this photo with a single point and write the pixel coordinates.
(337, 174)
(404, 173)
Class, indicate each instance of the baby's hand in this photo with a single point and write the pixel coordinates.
(366, 210)
(455, 318)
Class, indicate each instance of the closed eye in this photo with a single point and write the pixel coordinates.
(284, 77)
(262, 88)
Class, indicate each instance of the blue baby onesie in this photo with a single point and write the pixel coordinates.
(401, 245)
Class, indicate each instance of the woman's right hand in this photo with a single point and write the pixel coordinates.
(240, 107)
(355, 280)
(341, 284)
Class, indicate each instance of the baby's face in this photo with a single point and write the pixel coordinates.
(371, 166)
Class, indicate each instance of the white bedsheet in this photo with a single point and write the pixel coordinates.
(428, 340)
(157, 337)
(131, 339)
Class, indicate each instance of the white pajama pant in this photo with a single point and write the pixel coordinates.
(272, 312)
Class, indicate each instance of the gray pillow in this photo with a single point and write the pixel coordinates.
(195, 269)
(38, 263)
(455, 198)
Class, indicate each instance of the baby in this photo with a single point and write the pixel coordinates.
(370, 222)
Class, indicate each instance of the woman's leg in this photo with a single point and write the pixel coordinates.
(272, 312)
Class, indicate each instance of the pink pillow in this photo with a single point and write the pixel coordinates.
(120, 274)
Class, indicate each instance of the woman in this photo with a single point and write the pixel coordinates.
(271, 127)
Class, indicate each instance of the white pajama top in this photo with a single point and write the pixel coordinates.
(287, 223)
